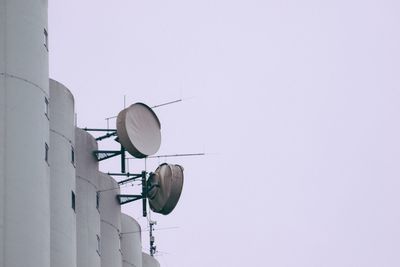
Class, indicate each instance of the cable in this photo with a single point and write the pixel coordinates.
(122, 186)
(146, 230)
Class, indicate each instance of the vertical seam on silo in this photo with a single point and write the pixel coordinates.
(4, 200)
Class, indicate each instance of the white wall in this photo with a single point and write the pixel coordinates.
(110, 224)
(24, 130)
(62, 173)
(87, 215)
(131, 242)
(149, 261)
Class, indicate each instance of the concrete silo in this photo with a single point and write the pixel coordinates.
(87, 201)
(24, 134)
(110, 221)
(131, 242)
(62, 173)
(149, 261)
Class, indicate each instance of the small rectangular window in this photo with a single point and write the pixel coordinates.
(73, 200)
(72, 155)
(46, 107)
(119, 244)
(98, 244)
(97, 200)
(46, 152)
(46, 39)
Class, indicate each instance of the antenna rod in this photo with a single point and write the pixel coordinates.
(178, 155)
(146, 230)
(173, 155)
(110, 117)
(168, 103)
(156, 106)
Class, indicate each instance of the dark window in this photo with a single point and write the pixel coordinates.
(46, 107)
(73, 200)
(119, 244)
(46, 152)
(98, 244)
(46, 39)
(72, 155)
(97, 200)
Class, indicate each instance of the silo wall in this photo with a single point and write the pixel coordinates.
(131, 242)
(110, 221)
(62, 173)
(149, 261)
(87, 213)
(24, 133)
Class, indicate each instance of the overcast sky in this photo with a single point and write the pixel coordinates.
(296, 103)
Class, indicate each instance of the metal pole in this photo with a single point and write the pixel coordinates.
(99, 130)
(152, 250)
(144, 193)
(122, 159)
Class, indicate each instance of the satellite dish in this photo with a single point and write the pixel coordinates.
(165, 187)
(138, 130)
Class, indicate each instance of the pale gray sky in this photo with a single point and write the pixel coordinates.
(297, 102)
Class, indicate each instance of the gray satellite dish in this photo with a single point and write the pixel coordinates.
(138, 130)
(165, 187)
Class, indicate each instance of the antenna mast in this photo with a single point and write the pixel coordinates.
(153, 248)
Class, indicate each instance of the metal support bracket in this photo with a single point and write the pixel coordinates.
(106, 154)
(106, 136)
(123, 199)
(131, 177)
(110, 132)
(98, 130)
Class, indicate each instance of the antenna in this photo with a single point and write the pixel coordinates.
(165, 188)
(153, 248)
(174, 155)
(138, 131)
(167, 103)
(156, 106)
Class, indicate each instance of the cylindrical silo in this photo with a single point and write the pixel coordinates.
(62, 173)
(24, 134)
(110, 224)
(149, 261)
(131, 242)
(87, 204)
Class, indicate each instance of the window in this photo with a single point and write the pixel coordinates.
(97, 200)
(98, 244)
(72, 155)
(46, 152)
(46, 39)
(73, 200)
(46, 107)
(119, 243)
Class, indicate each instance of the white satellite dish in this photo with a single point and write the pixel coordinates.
(165, 187)
(138, 130)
